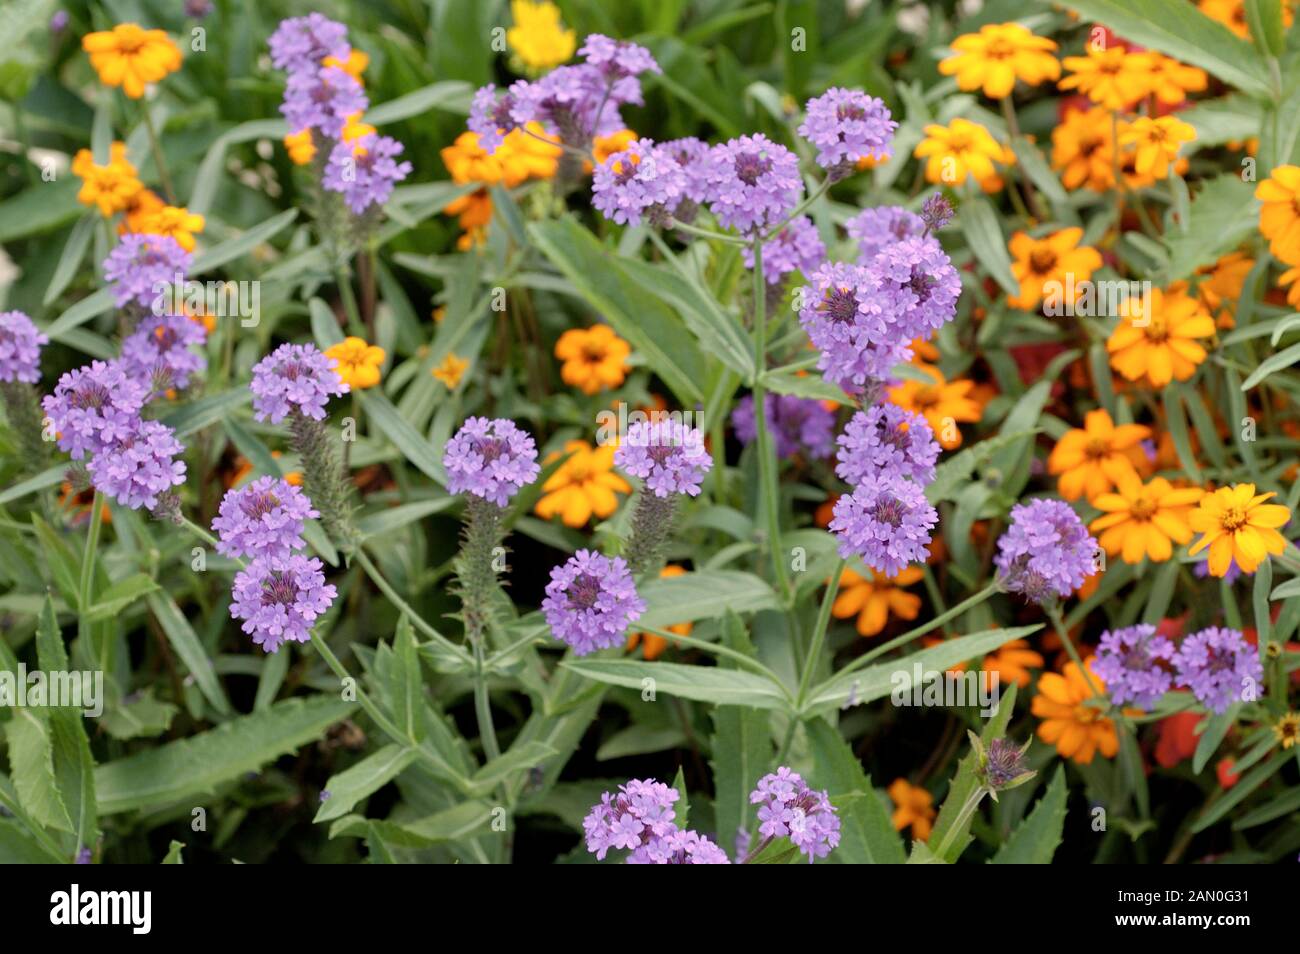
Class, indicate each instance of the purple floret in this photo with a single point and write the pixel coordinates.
(617, 59)
(322, 99)
(1128, 660)
(642, 181)
(93, 407)
(917, 285)
(878, 228)
(365, 170)
(851, 323)
(798, 425)
(796, 248)
(887, 440)
(141, 268)
(300, 43)
(753, 183)
(139, 467)
(279, 598)
(263, 518)
(20, 348)
(1220, 668)
(669, 456)
(294, 378)
(161, 351)
(886, 522)
(788, 808)
(1046, 553)
(847, 125)
(591, 601)
(490, 458)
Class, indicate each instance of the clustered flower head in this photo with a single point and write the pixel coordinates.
(299, 44)
(847, 125)
(140, 466)
(886, 521)
(1046, 553)
(142, 266)
(322, 99)
(365, 170)
(161, 351)
(847, 317)
(490, 458)
(641, 181)
(263, 518)
(20, 348)
(796, 248)
(1128, 659)
(917, 279)
(1001, 766)
(1220, 668)
(640, 818)
(888, 440)
(668, 455)
(279, 598)
(798, 425)
(875, 229)
(753, 183)
(591, 601)
(788, 808)
(93, 407)
(294, 379)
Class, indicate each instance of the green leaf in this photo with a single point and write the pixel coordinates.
(64, 564)
(520, 757)
(386, 521)
(413, 445)
(119, 596)
(195, 766)
(1238, 793)
(1215, 731)
(644, 321)
(950, 477)
(31, 761)
(1274, 362)
(979, 223)
(740, 753)
(451, 95)
(185, 641)
(451, 824)
(1036, 839)
(144, 717)
(74, 252)
(867, 836)
(1183, 32)
(405, 688)
(206, 411)
(363, 780)
(704, 594)
(241, 245)
(173, 856)
(1223, 213)
(724, 687)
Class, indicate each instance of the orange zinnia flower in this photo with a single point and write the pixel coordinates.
(583, 485)
(111, 187)
(915, 807)
(942, 404)
(1222, 286)
(1240, 527)
(131, 57)
(1112, 77)
(178, 222)
(873, 596)
(1054, 259)
(595, 359)
(1078, 730)
(1090, 459)
(1279, 218)
(1158, 339)
(1144, 520)
(1012, 662)
(1083, 149)
(1157, 142)
(961, 149)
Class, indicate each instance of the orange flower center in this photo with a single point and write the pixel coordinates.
(999, 49)
(1042, 261)
(926, 396)
(1158, 330)
(1233, 519)
(959, 142)
(593, 354)
(1142, 508)
(1097, 448)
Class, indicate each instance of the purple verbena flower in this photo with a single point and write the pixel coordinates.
(847, 125)
(161, 351)
(591, 601)
(365, 170)
(294, 378)
(573, 102)
(798, 425)
(849, 321)
(796, 248)
(617, 59)
(936, 212)
(917, 284)
(641, 181)
(877, 228)
(491, 117)
(753, 183)
(93, 407)
(637, 813)
(886, 439)
(20, 348)
(279, 598)
(142, 267)
(491, 459)
(1046, 552)
(679, 848)
(1220, 668)
(691, 155)
(1128, 661)
(140, 466)
(300, 43)
(262, 519)
(788, 808)
(669, 456)
(322, 99)
(886, 522)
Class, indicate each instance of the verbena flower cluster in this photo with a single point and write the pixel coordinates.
(887, 440)
(788, 808)
(639, 818)
(1129, 659)
(798, 425)
(262, 518)
(279, 598)
(163, 351)
(141, 267)
(668, 455)
(294, 379)
(491, 459)
(1046, 553)
(847, 125)
(1220, 667)
(20, 348)
(591, 601)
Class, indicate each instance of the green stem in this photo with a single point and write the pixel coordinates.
(819, 634)
(727, 652)
(706, 233)
(156, 147)
(386, 725)
(396, 599)
(768, 464)
(482, 705)
(20, 130)
(963, 817)
(802, 207)
(349, 297)
(86, 587)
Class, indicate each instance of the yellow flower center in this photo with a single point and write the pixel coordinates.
(1158, 329)
(1042, 261)
(1142, 508)
(1097, 448)
(1233, 519)
(1000, 49)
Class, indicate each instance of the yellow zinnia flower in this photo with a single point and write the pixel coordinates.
(451, 370)
(111, 187)
(585, 484)
(1157, 339)
(178, 222)
(1157, 142)
(595, 359)
(872, 597)
(961, 149)
(1144, 520)
(300, 147)
(359, 363)
(999, 54)
(1078, 730)
(1053, 258)
(1232, 14)
(942, 404)
(1171, 81)
(1279, 217)
(130, 56)
(1112, 77)
(1287, 730)
(914, 806)
(1090, 460)
(538, 37)
(1239, 527)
